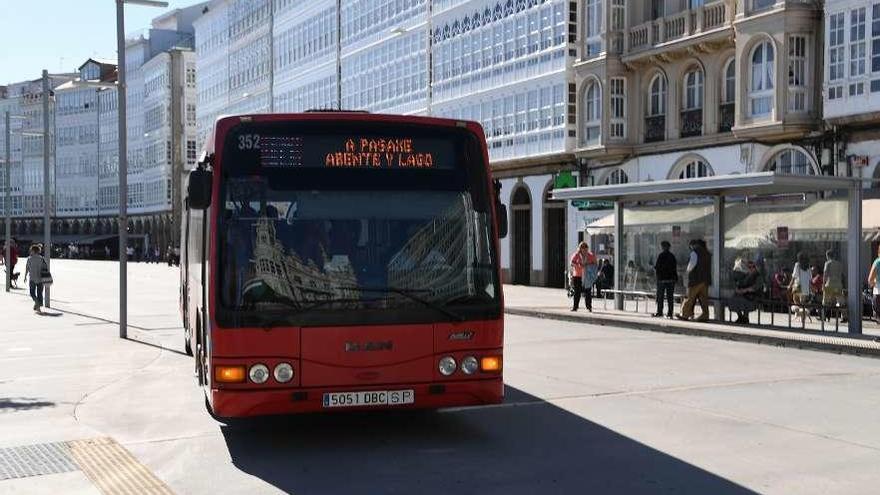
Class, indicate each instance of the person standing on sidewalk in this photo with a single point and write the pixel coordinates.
(666, 270)
(699, 270)
(34, 270)
(583, 269)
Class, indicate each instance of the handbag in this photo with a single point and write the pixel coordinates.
(45, 275)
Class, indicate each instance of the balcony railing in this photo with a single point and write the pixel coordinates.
(689, 22)
(692, 123)
(728, 111)
(655, 128)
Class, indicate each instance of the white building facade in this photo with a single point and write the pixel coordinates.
(851, 96)
(506, 64)
(24, 101)
(161, 125)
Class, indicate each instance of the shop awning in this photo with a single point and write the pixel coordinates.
(654, 215)
(754, 184)
(743, 220)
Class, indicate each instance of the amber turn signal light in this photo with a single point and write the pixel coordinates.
(229, 374)
(490, 363)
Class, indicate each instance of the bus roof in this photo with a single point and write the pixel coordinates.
(329, 115)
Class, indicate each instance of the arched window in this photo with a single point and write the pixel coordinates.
(692, 104)
(728, 96)
(761, 88)
(655, 118)
(657, 96)
(592, 114)
(792, 162)
(693, 90)
(521, 197)
(694, 169)
(617, 177)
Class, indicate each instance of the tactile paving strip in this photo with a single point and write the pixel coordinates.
(113, 469)
(35, 460)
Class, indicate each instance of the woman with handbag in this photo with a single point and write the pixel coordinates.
(38, 270)
(583, 272)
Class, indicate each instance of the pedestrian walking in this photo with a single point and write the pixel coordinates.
(666, 271)
(699, 271)
(832, 292)
(801, 280)
(36, 268)
(874, 282)
(583, 272)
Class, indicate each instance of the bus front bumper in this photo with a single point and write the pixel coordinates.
(244, 403)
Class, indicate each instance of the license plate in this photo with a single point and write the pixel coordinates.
(371, 398)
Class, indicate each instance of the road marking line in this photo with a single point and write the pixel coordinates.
(113, 469)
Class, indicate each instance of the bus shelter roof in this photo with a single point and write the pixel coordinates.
(752, 184)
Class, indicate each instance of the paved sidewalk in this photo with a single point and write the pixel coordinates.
(64, 372)
(542, 302)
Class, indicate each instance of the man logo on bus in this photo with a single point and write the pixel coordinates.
(385, 345)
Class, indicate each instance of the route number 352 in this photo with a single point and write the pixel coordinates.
(249, 142)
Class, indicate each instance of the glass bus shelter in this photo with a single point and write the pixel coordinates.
(763, 216)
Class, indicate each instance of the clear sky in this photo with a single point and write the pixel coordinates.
(59, 35)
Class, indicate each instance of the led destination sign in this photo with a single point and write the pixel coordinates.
(392, 151)
(379, 153)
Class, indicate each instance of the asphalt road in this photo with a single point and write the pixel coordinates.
(588, 410)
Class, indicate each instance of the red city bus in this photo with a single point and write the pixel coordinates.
(342, 260)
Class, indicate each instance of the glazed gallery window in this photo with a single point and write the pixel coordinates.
(836, 54)
(761, 88)
(618, 107)
(875, 39)
(592, 114)
(797, 73)
(593, 31)
(857, 42)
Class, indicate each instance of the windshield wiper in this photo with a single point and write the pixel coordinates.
(299, 308)
(411, 295)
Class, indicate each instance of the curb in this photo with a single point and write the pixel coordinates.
(864, 347)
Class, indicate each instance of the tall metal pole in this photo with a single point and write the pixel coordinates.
(123, 172)
(7, 207)
(47, 227)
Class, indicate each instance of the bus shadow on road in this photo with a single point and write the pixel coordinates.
(8, 404)
(526, 446)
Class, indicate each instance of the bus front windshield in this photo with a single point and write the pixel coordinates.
(320, 247)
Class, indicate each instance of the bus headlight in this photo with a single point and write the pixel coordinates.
(447, 366)
(469, 365)
(283, 372)
(259, 373)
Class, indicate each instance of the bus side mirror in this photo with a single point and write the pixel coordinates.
(198, 189)
(501, 215)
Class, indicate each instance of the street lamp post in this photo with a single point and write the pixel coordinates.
(47, 227)
(7, 201)
(123, 159)
(7, 207)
